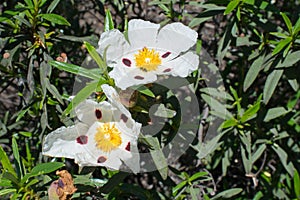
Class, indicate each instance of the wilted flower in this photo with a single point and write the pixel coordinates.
(105, 135)
(148, 52)
(63, 188)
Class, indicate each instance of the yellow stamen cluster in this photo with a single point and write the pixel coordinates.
(108, 137)
(147, 60)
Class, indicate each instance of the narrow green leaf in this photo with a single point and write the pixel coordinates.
(195, 193)
(271, 84)
(144, 90)
(296, 28)
(287, 21)
(229, 123)
(11, 177)
(291, 59)
(197, 176)
(283, 156)
(281, 45)
(94, 74)
(52, 6)
(178, 187)
(7, 191)
(273, 113)
(251, 111)
(246, 161)
(294, 84)
(56, 19)
(43, 168)
(220, 109)
(17, 158)
(231, 6)
(108, 22)
(161, 111)
(6, 162)
(82, 95)
(113, 182)
(253, 72)
(297, 184)
(158, 157)
(258, 153)
(227, 193)
(53, 90)
(96, 56)
(217, 93)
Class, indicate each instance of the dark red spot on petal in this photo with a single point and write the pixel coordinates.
(128, 146)
(83, 139)
(98, 114)
(139, 77)
(124, 118)
(126, 62)
(101, 159)
(167, 70)
(166, 54)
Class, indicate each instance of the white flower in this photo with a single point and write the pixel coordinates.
(149, 51)
(105, 135)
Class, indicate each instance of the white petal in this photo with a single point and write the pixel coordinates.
(62, 142)
(114, 99)
(133, 162)
(142, 33)
(181, 66)
(176, 37)
(125, 78)
(115, 43)
(85, 111)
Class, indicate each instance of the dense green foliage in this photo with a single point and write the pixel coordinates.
(249, 49)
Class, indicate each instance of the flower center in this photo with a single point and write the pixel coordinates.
(108, 137)
(147, 60)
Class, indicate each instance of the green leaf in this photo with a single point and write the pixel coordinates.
(231, 6)
(220, 109)
(229, 123)
(273, 113)
(291, 59)
(52, 6)
(287, 21)
(53, 90)
(158, 157)
(271, 84)
(108, 22)
(7, 191)
(258, 153)
(281, 45)
(204, 149)
(297, 184)
(194, 193)
(253, 72)
(56, 19)
(96, 56)
(162, 111)
(251, 111)
(82, 95)
(296, 28)
(16, 154)
(228, 193)
(144, 90)
(197, 176)
(43, 168)
(113, 182)
(94, 74)
(178, 187)
(283, 156)
(217, 93)
(6, 162)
